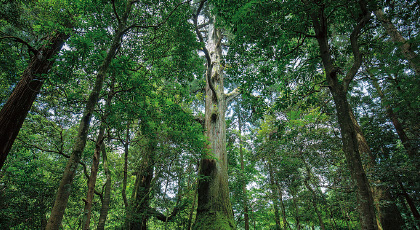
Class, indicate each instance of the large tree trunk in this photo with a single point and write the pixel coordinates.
(338, 90)
(107, 193)
(214, 209)
(351, 150)
(95, 161)
(396, 37)
(14, 112)
(64, 189)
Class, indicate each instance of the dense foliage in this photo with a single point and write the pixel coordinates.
(116, 137)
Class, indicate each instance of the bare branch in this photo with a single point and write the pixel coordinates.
(115, 12)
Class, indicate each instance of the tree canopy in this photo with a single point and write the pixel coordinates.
(209, 114)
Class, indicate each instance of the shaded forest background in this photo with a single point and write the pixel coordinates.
(217, 114)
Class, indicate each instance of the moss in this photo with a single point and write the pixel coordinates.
(215, 220)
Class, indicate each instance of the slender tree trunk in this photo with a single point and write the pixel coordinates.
(190, 218)
(241, 155)
(338, 90)
(411, 150)
(124, 188)
(411, 204)
(286, 224)
(95, 161)
(107, 193)
(396, 37)
(14, 111)
(274, 196)
(314, 196)
(64, 189)
(214, 209)
(296, 210)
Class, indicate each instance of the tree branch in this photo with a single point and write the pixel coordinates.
(16, 39)
(232, 95)
(206, 52)
(356, 50)
(115, 12)
(160, 23)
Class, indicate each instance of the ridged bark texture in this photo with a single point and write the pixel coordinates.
(214, 209)
(17, 106)
(64, 188)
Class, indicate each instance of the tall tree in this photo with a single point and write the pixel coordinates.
(64, 189)
(214, 209)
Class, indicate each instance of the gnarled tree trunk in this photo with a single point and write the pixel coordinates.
(214, 209)
(140, 207)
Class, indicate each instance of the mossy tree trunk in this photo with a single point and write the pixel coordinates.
(214, 209)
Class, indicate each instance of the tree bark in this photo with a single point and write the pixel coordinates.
(95, 161)
(214, 209)
(296, 210)
(338, 90)
(107, 193)
(396, 37)
(17, 106)
(64, 189)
